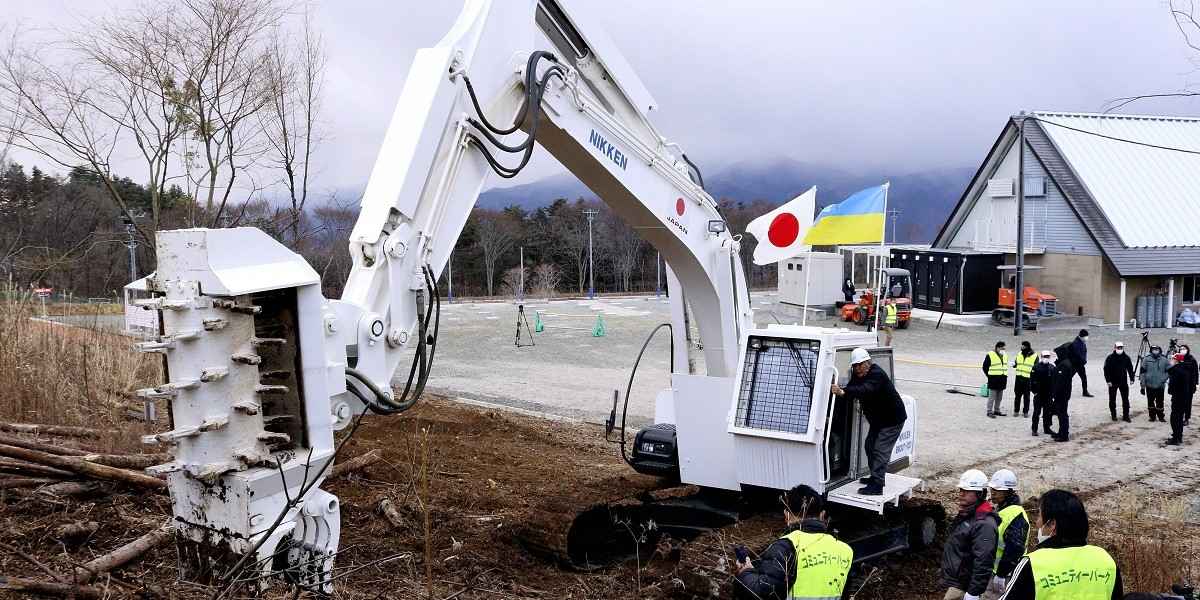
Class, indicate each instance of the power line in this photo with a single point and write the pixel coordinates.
(1114, 138)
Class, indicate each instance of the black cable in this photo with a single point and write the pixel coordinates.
(537, 99)
(1113, 138)
(530, 70)
(699, 176)
(497, 167)
(629, 386)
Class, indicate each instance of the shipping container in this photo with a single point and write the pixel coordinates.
(952, 281)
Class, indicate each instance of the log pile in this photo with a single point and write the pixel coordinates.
(57, 468)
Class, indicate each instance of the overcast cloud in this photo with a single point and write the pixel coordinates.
(899, 86)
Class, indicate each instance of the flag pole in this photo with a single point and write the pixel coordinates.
(882, 282)
(808, 270)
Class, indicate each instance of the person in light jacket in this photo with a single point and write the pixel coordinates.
(1153, 377)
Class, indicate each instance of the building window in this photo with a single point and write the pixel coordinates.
(777, 385)
(1191, 289)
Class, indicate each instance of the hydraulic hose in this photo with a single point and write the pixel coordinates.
(629, 386)
(530, 69)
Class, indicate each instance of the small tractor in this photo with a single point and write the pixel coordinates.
(1034, 306)
(862, 311)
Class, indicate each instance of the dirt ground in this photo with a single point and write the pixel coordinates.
(491, 476)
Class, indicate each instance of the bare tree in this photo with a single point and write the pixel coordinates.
(57, 112)
(546, 277)
(296, 76)
(495, 236)
(624, 248)
(224, 49)
(515, 282)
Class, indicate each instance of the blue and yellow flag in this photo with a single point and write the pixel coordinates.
(855, 220)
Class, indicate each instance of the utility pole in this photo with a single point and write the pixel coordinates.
(450, 278)
(521, 276)
(1019, 292)
(591, 214)
(894, 213)
(131, 243)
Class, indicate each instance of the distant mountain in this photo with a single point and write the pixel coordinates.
(924, 198)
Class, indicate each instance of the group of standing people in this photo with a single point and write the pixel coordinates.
(1048, 378)
(1042, 382)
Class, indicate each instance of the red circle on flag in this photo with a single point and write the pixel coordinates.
(783, 230)
(679, 206)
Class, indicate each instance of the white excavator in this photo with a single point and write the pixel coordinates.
(263, 370)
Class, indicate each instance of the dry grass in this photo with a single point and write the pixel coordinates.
(63, 375)
(1150, 538)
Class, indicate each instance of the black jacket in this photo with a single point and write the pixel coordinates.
(1064, 370)
(774, 573)
(995, 382)
(1020, 586)
(881, 403)
(1041, 378)
(1015, 538)
(1193, 369)
(1078, 352)
(1117, 367)
(970, 550)
(1179, 381)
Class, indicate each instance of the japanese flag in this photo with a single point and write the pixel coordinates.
(780, 233)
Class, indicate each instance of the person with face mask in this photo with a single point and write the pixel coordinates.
(1012, 535)
(1153, 376)
(1194, 371)
(1061, 390)
(1079, 359)
(1179, 385)
(1041, 381)
(882, 408)
(807, 562)
(1023, 365)
(995, 366)
(970, 550)
(1064, 565)
(1117, 367)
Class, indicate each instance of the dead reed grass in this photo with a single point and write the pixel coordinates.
(68, 375)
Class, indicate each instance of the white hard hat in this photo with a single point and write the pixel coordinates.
(1003, 480)
(859, 355)
(973, 481)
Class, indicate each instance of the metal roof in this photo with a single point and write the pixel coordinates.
(1133, 169)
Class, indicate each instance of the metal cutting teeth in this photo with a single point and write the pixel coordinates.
(246, 358)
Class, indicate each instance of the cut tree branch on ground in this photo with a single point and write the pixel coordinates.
(73, 532)
(121, 556)
(59, 430)
(20, 442)
(21, 467)
(24, 482)
(83, 467)
(72, 488)
(128, 461)
(356, 463)
(49, 588)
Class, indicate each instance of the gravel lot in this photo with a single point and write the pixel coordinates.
(570, 374)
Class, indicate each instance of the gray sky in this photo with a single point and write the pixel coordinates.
(901, 86)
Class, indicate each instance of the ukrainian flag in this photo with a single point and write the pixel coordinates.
(855, 220)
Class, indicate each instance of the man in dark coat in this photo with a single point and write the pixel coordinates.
(774, 574)
(1118, 373)
(848, 291)
(1179, 386)
(970, 550)
(1079, 359)
(1194, 371)
(884, 411)
(1061, 390)
(1041, 383)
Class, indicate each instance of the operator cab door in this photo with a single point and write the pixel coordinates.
(845, 441)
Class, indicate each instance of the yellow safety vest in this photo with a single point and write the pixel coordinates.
(1025, 364)
(822, 565)
(1079, 573)
(999, 364)
(891, 315)
(1007, 516)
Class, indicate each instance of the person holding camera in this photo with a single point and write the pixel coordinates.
(807, 562)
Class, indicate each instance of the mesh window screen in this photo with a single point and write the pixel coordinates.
(777, 385)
